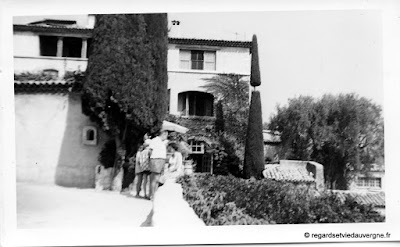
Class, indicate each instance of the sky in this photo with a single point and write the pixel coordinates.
(301, 52)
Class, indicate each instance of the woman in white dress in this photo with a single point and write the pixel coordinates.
(174, 167)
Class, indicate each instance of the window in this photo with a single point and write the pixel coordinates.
(61, 46)
(206, 164)
(89, 135)
(197, 60)
(48, 45)
(72, 47)
(196, 147)
(195, 103)
(369, 182)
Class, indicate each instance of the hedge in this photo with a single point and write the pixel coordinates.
(227, 200)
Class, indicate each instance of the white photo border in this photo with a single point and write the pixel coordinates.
(10, 235)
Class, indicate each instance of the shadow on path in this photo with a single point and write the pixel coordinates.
(148, 222)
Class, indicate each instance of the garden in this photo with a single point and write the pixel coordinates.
(228, 200)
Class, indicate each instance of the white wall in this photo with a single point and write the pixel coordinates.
(49, 146)
(26, 44)
(228, 60)
(38, 64)
(27, 57)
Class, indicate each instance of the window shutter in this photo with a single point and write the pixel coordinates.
(184, 57)
(209, 60)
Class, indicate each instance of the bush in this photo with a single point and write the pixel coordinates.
(227, 200)
(210, 205)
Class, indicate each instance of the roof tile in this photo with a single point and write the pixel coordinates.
(289, 174)
(363, 197)
(88, 31)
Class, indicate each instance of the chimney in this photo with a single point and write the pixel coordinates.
(175, 30)
(91, 20)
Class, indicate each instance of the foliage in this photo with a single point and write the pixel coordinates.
(219, 118)
(225, 200)
(229, 159)
(232, 94)
(232, 90)
(28, 76)
(210, 205)
(254, 151)
(255, 78)
(107, 154)
(126, 87)
(77, 78)
(344, 133)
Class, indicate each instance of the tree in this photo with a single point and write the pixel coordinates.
(232, 90)
(255, 78)
(254, 150)
(126, 86)
(344, 133)
(219, 121)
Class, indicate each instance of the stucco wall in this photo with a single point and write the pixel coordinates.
(38, 64)
(185, 81)
(27, 56)
(49, 146)
(228, 59)
(26, 44)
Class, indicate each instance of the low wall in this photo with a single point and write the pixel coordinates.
(171, 210)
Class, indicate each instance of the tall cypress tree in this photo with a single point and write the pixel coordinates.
(254, 150)
(219, 119)
(126, 86)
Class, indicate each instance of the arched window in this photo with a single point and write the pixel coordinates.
(89, 135)
(195, 103)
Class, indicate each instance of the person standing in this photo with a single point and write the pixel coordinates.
(142, 168)
(158, 156)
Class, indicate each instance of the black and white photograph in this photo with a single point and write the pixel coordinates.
(199, 125)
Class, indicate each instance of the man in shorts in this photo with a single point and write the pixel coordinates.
(158, 155)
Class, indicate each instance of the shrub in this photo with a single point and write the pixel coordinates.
(225, 200)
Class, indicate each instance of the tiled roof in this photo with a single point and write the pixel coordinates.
(210, 42)
(289, 174)
(54, 22)
(40, 83)
(54, 29)
(73, 29)
(363, 197)
(50, 86)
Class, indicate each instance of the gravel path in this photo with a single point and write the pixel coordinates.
(51, 206)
